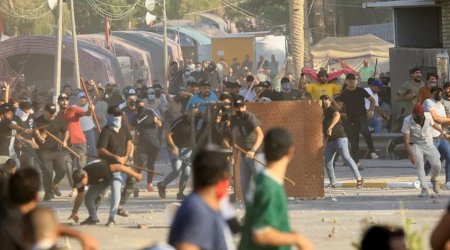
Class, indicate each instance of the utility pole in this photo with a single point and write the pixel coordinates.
(75, 47)
(57, 72)
(297, 33)
(166, 56)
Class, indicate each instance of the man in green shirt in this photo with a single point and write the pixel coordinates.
(365, 72)
(266, 223)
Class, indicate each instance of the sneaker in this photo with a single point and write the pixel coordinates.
(424, 192)
(331, 185)
(374, 156)
(111, 223)
(122, 212)
(435, 185)
(89, 221)
(48, 197)
(161, 190)
(136, 192)
(416, 184)
(56, 191)
(150, 187)
(73, 193)
(447, 185)
(181, 196)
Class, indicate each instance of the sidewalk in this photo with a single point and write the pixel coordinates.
(381, 174)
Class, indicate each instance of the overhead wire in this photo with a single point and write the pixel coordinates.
(110, 14)
(19, 12)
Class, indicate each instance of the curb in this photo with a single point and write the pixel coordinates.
(411, 184)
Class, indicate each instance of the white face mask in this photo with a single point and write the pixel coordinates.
(115, 122)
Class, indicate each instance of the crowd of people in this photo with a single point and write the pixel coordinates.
(102, 138)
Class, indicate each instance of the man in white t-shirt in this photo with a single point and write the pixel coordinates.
(436, 108)
(373, 89)
(88, 126)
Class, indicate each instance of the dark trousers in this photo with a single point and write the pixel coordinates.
(353, 130)
(52, 161)
(146, 157)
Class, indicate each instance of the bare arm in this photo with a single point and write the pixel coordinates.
(125, 170)
(186, 246)
(76, 206)
(273, 237)
(104, 153)
(130, 148)
(440, 236)
(88, 242)
(259, 138)
(437, 118)
(89, 111)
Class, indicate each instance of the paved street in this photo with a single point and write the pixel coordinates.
(333, 222)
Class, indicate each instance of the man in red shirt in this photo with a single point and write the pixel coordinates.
(72, 115)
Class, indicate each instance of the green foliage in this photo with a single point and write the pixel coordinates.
(275, 11)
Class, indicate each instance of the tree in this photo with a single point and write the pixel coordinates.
(30, 17)
(297, 18)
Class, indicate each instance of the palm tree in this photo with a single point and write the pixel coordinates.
(296, 21)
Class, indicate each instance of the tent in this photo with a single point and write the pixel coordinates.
(352, 51)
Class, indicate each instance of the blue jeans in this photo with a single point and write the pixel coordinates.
(375, 123)
(180, 164)
(249, 168)
(91, 145)
(96, 189)
(443, 147)
(339, 145)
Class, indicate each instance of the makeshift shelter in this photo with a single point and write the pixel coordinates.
(122, 48)
(352, 51)
(34, 56)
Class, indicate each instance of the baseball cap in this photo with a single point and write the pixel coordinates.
(204, 83)
(81, 95)
(418, 110)
(376, 83)
(265, 84)
(50, 107)
(239, 102)
(24, 105)
(5, 108)
(63, 96)
(131, 92)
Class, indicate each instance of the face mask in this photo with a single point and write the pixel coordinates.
(432, 84)
(115, 121)
(419, 119)
(286, 87)
(239, 113)
(140, 109)
(151, 97)
(437, 96)
(157, 93)
(222, 189)
(132, 103)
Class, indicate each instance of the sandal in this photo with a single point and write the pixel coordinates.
(359, 184)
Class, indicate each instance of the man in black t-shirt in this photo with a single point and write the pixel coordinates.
(25, 146)
(6, 128)
(358, 117)
(115, 146)
(336, 141)
(98, 175)
(50, 151)
(248, 135)
(146, 123)
(179, 144)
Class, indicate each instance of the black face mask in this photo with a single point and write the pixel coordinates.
(157, 93)
(419, 119)
(132, 103)
(240, 114)
(140, 109)
(437, 96)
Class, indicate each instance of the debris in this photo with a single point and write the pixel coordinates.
(333, 233)
(143, 226)
(334, 200)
